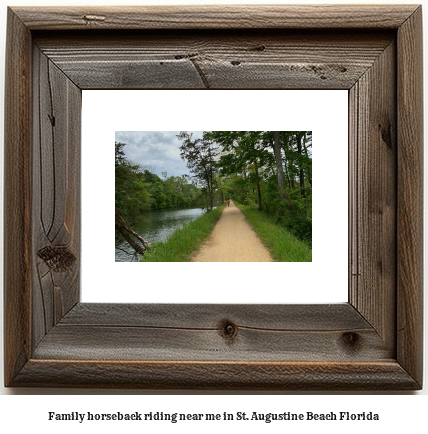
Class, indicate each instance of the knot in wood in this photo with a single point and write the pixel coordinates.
(57, 258)
(227, 329)
(386, 134)
(351, 340)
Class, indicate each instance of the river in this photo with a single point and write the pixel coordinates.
(156, 225)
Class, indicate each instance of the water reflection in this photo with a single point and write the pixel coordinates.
(156, 225)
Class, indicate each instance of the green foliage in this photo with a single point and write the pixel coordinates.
(270, 171)
(249, 169)
(131, 194)
(139, 191)
(295, 215)
(201, 158)
(283, 246)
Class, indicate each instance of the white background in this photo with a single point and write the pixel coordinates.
(400, 412)
(324, 280)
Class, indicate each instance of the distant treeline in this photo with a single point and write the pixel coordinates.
(138, 190)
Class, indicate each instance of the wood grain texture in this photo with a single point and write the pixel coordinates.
(373, 179)
(216, 17)
(216, 59)
(199, 332)
(374, 342)
(17, 199)
(56, 194)
(410, 196)
(210, 316)
(378, 375)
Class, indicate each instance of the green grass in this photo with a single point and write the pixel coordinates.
(180, 245)
(284, 247)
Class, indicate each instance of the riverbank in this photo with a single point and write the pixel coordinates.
(180, 245)
(283, 246)
(155, 226)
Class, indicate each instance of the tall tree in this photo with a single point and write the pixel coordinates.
(242, 152)
(131, 195)
(299, 136)
(131, 198)
(306, 139)
(286, 159)
(279, 169)
(200, 156)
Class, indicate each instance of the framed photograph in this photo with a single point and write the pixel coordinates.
(372, 341)
(157, 152)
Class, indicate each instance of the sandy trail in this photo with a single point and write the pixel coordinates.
(232, 240)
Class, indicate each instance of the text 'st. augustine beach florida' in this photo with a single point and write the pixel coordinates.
(189, 417)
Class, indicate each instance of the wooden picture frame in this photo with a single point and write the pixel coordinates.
(372, 342)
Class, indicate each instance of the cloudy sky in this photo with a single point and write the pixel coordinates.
(157, 150)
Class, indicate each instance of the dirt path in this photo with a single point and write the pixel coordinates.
(232, 240)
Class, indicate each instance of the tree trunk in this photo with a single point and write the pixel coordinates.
(301, 172)
(131, 237)
(211, 200)
(211, 179)
(309, 174)
(289, 168)
(279, 170)
(286, 169)
(259, 193)
(210, 189)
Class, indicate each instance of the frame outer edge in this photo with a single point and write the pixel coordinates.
(18, 242)
(215, 16)
(410, 197)
(17, 215)
(387, 375)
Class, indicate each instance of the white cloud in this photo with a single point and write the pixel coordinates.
(158, 150)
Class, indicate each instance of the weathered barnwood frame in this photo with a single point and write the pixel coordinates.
(372, 342)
